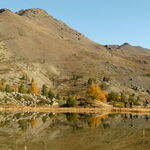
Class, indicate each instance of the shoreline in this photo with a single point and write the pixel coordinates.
(7, 108)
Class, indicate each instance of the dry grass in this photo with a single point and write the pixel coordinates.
(8, 108)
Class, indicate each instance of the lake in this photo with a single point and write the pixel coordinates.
(50, 131)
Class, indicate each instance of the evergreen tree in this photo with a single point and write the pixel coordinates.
(51, 94)
(71, 102)
(8, 88)
(44, 90)
(113, 96)
(21, 89)
(91, 80)
(122, 97)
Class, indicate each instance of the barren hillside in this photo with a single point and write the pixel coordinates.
(35, 44)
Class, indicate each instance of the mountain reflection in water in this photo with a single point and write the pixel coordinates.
(48, 131)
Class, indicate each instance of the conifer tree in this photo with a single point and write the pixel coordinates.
(51, 94)
(8, 88)
(44, 90)
(71, 102)
(21, 89)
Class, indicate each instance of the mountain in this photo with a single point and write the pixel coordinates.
(35, 44)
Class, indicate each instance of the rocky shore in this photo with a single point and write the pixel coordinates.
(20, 99)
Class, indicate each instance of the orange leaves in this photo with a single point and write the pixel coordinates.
(96, 121)
(16, 89)
(1, 87)
(34, 89)
(95, 92)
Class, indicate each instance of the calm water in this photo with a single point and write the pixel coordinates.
(47, 131)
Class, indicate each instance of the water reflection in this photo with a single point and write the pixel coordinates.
(97, 120)
(45, 131)
(133, 117)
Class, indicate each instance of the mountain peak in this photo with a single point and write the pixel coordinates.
(125, 44)
(33, 12)
(5, 11)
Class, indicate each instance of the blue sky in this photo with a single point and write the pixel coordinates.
(103, 21)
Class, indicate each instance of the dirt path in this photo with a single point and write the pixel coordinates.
(6, 108)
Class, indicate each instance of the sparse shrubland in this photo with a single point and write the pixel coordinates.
(26, 93)
(121, 100)
(29, 90)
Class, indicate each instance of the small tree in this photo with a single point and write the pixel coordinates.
(71, 102)
(21, 89)
(2, 85)
(137, 101)
(131, 98)
(91, 80)
(3, 81)
(113, 96)
(44, 90)
(34, 89)
(51, 95)
(8, 88)
(122, 97)
(95, 92)
(106, 79)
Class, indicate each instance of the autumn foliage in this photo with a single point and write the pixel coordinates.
(95, 92)
(34, 122)
(34, 88)
(96, 121)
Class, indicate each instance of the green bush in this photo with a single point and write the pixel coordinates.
(8, 88)
(51, 95)
(134, 100)
(3, 81)
(113, 97)
(21, 89)
(70, 102)
(131, 98)
(122, 97)
(58, 97)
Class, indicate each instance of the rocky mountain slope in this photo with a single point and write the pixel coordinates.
(35, 44)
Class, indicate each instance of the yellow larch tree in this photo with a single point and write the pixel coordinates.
(34, 88)
(95, 92)
(96, 121)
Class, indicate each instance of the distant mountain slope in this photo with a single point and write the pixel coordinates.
(34, 43)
